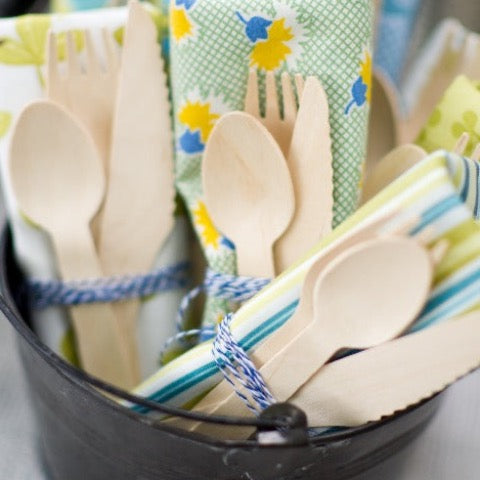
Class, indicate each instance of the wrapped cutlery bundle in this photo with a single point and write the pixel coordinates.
(88, 182)
(437, 200)
(246, 56)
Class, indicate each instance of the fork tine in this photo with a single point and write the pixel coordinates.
(251, 98)
(300, 84)
(476, 153)
(438, 251)
(272, 109)
(289, 101)
(73, 62)
(92, 63)
(462, 143)
(52, 59)
(112, 61)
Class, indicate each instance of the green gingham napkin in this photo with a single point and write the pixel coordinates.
(213, 45)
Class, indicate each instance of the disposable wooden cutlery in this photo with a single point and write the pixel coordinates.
(138, 214)
(281, 127)
(86, 89)
(221, 400)
(382, 380)
(357, 304)
(309, 161)
(304, 138)
(321, 272)
(389, 168)
(385, 123)
(59, 183)
(248, 190)
(391, 377)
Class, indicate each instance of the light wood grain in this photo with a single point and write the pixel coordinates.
(59, 183)
(248, 190)
(310, 164)
(138, 214)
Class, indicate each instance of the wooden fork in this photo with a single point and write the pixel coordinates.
(88, 92)
(280, 127)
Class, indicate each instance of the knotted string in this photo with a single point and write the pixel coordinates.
(230, 357)
(237, 368)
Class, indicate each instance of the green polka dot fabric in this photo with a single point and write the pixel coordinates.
(214, 43)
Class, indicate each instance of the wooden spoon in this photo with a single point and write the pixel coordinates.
(369, 294)
(59, 183)
(248, 190)
(390, 168)
(385, 120)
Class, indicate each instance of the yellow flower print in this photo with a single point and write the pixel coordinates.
(271, 53)
(181, 25)
(275, 40)
(209, 234)
(198, 116)
(366, 74)
(5, 121)
(199, 119)
(361, 90)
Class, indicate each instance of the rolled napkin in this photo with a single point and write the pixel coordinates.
(458, 112)
(214, 43)
(442, 191)
(22, 70)
(396, 23)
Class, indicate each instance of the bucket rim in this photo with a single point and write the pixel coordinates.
(90, 384)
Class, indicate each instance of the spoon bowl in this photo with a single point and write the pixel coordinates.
(37, 170)
(248, 190)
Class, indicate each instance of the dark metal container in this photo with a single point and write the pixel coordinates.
(86, 436)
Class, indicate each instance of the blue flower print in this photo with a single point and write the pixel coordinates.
(227, 243)
(359, 95)
(190, 142)
(256, 27)
(188, 4)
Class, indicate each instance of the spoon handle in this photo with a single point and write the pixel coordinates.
(255, 260)
(288, 370)
(100, 341)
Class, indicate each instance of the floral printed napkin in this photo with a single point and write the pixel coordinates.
(214, 43)
(22, 70)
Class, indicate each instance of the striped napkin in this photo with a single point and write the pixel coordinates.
(214, 43)
(443, 191)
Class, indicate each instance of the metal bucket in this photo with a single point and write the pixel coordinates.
(86, 436)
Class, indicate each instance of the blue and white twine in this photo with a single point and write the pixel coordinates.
(222, 286)
(47, 293)
(231, 358)
(237, 368)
